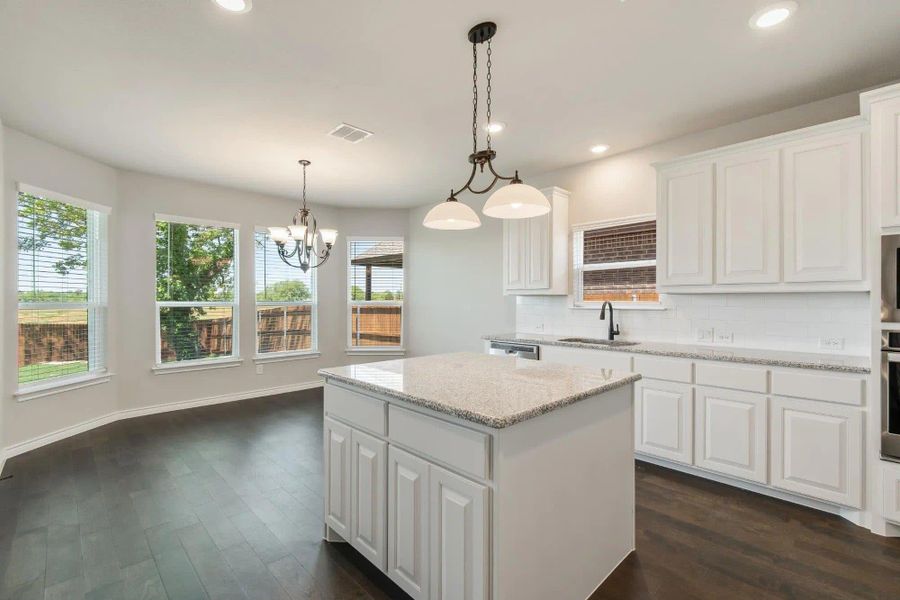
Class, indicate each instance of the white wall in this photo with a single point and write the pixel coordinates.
(456, 285)
(29, 160)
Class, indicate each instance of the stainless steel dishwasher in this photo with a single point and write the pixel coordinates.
(526, 351)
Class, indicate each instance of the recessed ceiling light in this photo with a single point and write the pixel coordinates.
(599, 148)
(772, 15)
(495, 127)
(235, 6)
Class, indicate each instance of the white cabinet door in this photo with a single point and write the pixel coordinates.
(891, 489)
(730, 433)
(817, 449)
(663, 421)
(684, 232)
(537, 272)
(459, 537)
(515, 237)
(748, 220)
(823, 209)
(337, 477)
(408, 522)
(886, 160)
(368, 491)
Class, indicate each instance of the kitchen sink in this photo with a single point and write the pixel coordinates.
(598, 342)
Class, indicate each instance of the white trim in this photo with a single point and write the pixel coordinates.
(273, 357)
(66, 432)
(61, 384)
(377, 350)
(622, 264)
(202, 364)
(196, 221)
(593, 305)
(587, 225)
(33, 190)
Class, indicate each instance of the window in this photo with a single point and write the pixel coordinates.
(196, 290)
(285, 303)
(616, 261)
(61, 247)
(375, 293)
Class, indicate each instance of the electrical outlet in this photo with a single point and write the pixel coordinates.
(831, 343)
(706, 335)
(259, 369)
(724, 337)
(539, 327)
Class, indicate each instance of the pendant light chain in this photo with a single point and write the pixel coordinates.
(489, 94)
(474, 98)
(304, 186)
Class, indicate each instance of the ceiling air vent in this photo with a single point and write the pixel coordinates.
(349, 133)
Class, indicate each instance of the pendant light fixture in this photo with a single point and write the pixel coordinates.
(298, 243)
(514, 200)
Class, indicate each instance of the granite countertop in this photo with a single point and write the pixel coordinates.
(497, 391)
(773, 358)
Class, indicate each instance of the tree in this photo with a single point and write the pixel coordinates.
(357, 293)
(291, 290)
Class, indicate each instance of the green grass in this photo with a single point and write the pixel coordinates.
(40, 372)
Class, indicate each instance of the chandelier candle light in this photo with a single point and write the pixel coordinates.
(304, 235)
(512, 201)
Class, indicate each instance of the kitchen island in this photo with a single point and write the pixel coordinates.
(475, 477)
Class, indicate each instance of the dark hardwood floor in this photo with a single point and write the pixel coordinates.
(225, 501)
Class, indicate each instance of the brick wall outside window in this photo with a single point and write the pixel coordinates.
(620, 243)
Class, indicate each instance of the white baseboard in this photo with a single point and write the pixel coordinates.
(130, 413)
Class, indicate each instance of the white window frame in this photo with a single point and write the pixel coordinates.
(579, 268)
(313, 351)
(97, 293)
(381, 350)
(201, 363)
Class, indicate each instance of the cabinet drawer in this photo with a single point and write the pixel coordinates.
(585, 357)
(362, 411)
(844, 390)
(670, 369)
(461, 448)
(738, 378)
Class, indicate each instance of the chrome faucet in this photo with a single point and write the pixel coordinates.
(612, 332)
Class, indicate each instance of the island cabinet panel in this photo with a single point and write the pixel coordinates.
(823, 209)
(664, 419)
(367, 492)
(359, 410)
(685, 226)
(337, 477)
(459, 537)
(817, 450)
(408, 524)
(748, 220)
(730, 433)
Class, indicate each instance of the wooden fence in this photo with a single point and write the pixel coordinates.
(375, 326)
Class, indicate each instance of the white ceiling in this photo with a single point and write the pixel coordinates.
(183, 88)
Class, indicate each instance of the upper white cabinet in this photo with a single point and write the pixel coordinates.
(882, 106)
(747, 218)
(536, 250)
(684, 237)
(780, 214)
(823, 209)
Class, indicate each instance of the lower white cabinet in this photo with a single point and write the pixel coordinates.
(817, 449)
(891, 489)
(367, 496)
(458, 537)
(408, 522)
(663, 419)
(730, 433)
(337, 477)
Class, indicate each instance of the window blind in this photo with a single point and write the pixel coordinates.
(375, 292)
(61, 287)
(196, 291)
(616, 263)
(285, 302)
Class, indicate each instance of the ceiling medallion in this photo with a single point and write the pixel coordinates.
(303, 235)
(514, 200)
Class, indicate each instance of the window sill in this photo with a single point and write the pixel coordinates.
(203, 365)
(621, 306)
(64, 385)
(284, 356)
(377, 351)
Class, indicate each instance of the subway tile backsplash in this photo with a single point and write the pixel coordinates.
(795, 322)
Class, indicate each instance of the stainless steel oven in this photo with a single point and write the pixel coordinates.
(890, 399)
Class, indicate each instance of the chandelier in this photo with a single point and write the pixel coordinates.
(514, 200)
(298, 243)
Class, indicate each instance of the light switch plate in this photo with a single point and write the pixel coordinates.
(259, 369)
(831, 343)
(724, 337)
(706, 335)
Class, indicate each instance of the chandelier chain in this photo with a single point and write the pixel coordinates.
(303, 195)
(474, 98)
(488, 89)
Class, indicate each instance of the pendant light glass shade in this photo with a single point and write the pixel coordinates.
(451, 215)
(516, 201)
(279, 234)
